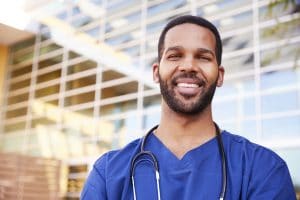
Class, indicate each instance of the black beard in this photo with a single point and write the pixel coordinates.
(192, 108)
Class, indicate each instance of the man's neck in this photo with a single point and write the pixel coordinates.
(182, 133)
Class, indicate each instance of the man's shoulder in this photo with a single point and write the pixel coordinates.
(250, 150)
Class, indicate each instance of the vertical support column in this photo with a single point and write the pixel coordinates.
(240, 104)
(62, 86)
(257, 70)
(32, 87)
(5, 60)
(103, 22)
(99, 71)
(96, 114)
(140, 99)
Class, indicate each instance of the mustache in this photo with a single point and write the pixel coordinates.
(193, 76)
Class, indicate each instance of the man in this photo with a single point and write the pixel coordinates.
(186, 153)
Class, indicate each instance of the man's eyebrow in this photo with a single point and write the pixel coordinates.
(174, 48)
(199, 50)
(204, 50)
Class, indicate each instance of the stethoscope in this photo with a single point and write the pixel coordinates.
(154, 162)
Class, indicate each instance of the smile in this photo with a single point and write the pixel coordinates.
(188, 85)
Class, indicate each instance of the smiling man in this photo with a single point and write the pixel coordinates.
(187, 156)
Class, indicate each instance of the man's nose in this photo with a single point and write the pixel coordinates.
(188, 64)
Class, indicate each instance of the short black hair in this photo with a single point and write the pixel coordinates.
(191, 20)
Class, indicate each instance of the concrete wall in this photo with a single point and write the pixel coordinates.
(3, 65)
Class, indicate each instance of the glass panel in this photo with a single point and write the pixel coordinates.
(133, 51)
(118, 108)
(279, 79)
(114, 6)
(291, 157)
(53, 102)
(230, 126)
(248, 129)
(156, 26)
(150, 120)
(231, 100)
(24, 44)
(82, 82)
(83, 66)
(49, 48)
(225, 110)
(12, 142)
(237, 86)
(280, 102)
(21, 71)
(111, 75)
(275, 128)
(73, 54)
(152, 102)
(80, 98)
(126, 130)
(86, 112)
(16, 113)
(248, 106)
(275, 10)
(119, 90)
(22, 57)
(81, 21)
(47, 91)
(18, 98)
(50, 61)
(42, 121)
(62, 15)
(131, 20)
(119, 39)
(237, 42)
(221, 7)
(20, 84)
(14, 127)
(151, 43)
(49, 76)
(286, 53)
(93, 32)
(280, 31)
(239, 64)
(234, 21)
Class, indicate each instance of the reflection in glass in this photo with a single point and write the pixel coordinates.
(118, 108)
(82, 66)
(239, 63)
(275, 128)
(280, 102)
(119, 90)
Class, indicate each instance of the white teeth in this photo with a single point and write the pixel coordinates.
(187, 85)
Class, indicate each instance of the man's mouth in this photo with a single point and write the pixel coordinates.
(188, 85)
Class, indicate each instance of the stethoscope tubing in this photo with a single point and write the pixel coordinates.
(154, 162)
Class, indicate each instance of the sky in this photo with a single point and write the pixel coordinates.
(12, 14)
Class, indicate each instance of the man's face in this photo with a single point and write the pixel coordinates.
(188, 72)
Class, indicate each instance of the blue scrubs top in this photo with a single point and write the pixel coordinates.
(254, 173)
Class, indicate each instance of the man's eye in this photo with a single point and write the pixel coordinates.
(174, 56)
(205, 58)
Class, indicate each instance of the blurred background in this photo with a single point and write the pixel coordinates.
(75, 82)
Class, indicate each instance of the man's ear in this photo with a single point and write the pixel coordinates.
(155, 72)
(221, 72)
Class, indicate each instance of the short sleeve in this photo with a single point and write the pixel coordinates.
(94, 188)
(271, 180)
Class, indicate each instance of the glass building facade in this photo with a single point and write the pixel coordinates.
(82, 85)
